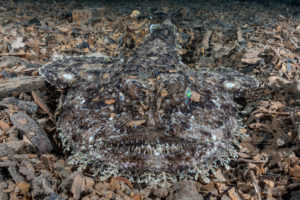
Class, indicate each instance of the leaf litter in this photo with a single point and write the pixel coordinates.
(241, 35)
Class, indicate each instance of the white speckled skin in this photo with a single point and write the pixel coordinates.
(151, 118)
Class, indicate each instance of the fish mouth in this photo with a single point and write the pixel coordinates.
(155, 153)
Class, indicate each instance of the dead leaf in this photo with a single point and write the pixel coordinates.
(136, 123)
(252, 60)
(219, 175)
(10, 188)
(64, 29)
(26, 140)
(47, 187)
(125, 180)
(109, 101)
(23, 187)
(115, 184)
(137, 197)
(233, 195)
(78, 186)
(243, 155)
(135, 14)
(89, 184)
(283, 68)
(164, 93)
(295, 171)
(195, 96)
(182, 51)
(269, 183)
(42, 105)
(112, 115)
(298, 27)
(4, 126)
(106, 75)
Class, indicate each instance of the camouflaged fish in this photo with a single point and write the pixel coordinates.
(150, 118)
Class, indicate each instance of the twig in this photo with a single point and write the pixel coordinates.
(42, 105)
(20, 84)
(251, 161)
(256, 187)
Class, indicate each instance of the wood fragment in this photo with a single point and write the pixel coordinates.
(251, 161)
(20, 84)
(42, 105)
(13, 54)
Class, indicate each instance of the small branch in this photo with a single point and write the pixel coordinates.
(256, 187)
(251, 161)
(20, 84)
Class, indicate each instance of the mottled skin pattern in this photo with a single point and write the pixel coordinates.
(150, 118)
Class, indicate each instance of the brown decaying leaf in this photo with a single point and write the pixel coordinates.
(125, 180)
(276, 39)
(115, 184)
(233, 195)
(195, 96)
(136, 123)
(106, 75)
(89, 184)
(78, 186)
(24, 187)
(164, 93)
(137, 197)
(42, 105)
(4, 126)
(109, 101)
(295, 171)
